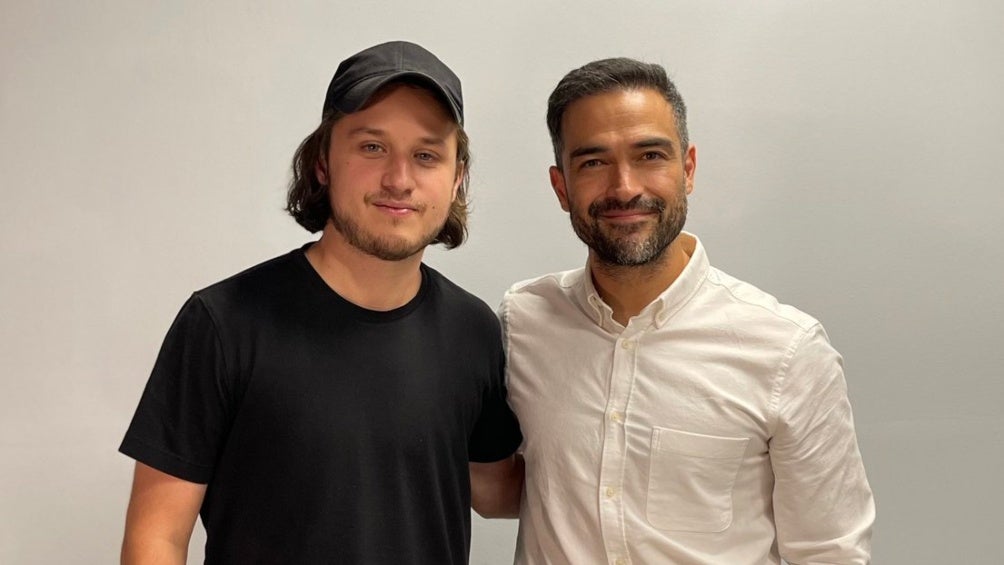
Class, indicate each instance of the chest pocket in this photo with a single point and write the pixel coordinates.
(690, 480)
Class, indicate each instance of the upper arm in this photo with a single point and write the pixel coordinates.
(496, 433)
(822, 501)
(496, 488)
(175, 436)
(189, 400)
(161, 516)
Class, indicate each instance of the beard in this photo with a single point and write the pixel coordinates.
(388, 247)
(618, 245)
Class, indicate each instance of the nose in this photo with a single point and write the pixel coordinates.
(624, 183)
(397, 176)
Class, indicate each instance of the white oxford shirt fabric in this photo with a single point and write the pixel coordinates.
(714, 428)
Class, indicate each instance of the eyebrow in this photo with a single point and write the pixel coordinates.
(588, 150)
(646, 143)
(663, 142)
(363, 130)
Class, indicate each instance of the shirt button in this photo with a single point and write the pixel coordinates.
(617, 417)
(620, 561)
(610, 492)
(627, 344)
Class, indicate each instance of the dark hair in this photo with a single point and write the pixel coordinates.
(307, 199)
(607, 75)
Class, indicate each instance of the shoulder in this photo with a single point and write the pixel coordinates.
(749, 302)
(276, 279)
(552, 286)
(540, 296)
(791, 343)
(264, 272)
(454, 299)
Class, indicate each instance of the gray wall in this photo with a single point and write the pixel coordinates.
(850, 162)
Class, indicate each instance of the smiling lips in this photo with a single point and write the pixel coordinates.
(395, 208)
(623, 215)
(635, 210)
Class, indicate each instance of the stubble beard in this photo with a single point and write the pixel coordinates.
(387, 248)
(615, 246)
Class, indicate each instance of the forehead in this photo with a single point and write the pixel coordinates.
(617, 114)
(402, 100)
(400, 109)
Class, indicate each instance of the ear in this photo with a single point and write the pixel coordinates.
(461, 170)
(558, 184)
(689, 167)
(321, 171)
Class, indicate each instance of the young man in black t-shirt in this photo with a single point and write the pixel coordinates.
(342, 403)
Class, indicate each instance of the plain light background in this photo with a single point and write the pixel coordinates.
(850, 161)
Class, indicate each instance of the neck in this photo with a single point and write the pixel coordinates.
(629, 289)
(360, 278)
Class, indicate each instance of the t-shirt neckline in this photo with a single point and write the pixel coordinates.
(347, 307)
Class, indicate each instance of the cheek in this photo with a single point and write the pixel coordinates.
(578, 205)
(581, 194)
(344, 171)
(587, 187)
(439, 183)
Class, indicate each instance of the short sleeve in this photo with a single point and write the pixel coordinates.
(496, 434)
(180, 423)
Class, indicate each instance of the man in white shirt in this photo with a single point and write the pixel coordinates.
(672, 413)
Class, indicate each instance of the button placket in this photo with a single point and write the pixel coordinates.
(614, 452)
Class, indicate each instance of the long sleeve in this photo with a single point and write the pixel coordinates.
(823, 504)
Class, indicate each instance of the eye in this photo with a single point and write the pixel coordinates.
(371, 148)
(590, 164)
(652, 156)
(426, 157)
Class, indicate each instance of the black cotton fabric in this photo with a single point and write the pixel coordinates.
(327, 433)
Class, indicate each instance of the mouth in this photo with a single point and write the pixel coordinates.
(396, 209)
(625, 216)
(634, 213)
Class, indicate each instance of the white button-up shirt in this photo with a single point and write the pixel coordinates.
(713, 428)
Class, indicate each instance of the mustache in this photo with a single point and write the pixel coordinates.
(637, 203)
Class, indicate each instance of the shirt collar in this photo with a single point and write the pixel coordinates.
(660, 310)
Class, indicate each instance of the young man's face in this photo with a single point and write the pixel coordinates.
(624, 179)
(392, 172)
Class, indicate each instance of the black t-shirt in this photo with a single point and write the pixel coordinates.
(327, 433)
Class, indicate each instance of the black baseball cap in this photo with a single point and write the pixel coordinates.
(362, 74)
